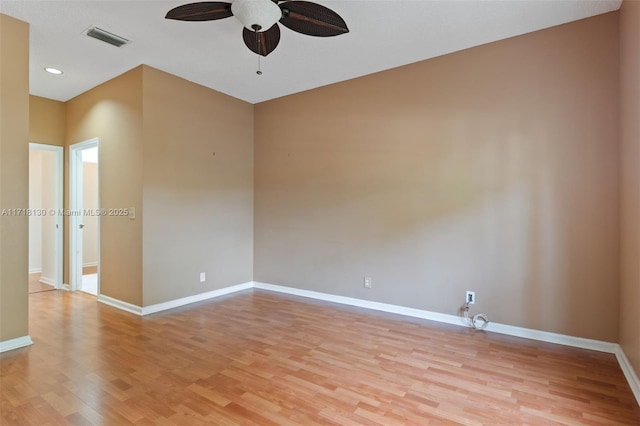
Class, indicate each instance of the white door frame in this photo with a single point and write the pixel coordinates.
(76, 212)
(59, 222)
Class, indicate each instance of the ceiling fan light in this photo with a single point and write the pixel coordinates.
(263, 13)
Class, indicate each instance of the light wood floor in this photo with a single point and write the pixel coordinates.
(262, 358)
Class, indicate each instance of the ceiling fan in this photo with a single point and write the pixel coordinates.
(260, 18)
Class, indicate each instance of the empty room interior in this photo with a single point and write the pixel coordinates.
(431, 217)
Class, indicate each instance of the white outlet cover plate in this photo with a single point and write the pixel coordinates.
(473, 297)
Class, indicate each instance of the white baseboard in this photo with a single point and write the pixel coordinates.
(119, 304)
(35, 270)
(65, 287)
(549, 337)
(48, 281)
(17, 343)
(385, 307)
(629, 373)
(510, 330)
(151, 309)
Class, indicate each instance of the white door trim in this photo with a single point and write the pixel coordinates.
(76, 212)
(59, 222)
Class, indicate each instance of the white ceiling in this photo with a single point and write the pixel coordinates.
(383, 34)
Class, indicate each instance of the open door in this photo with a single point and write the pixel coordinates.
(84, 218)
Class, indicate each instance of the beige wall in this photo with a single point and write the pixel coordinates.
(46, 121)
(198, 188)
(14, 176)
(630, 180)
(197, 208)
(493, 169)
(113, 113)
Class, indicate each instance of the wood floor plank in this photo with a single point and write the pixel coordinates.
(261, 358)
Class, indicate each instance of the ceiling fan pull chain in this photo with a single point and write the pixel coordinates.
(256, 28)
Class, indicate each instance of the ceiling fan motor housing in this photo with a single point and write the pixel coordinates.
(256, 15)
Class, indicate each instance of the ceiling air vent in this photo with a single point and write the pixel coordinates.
(107, 37)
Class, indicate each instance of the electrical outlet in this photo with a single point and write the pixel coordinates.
(367, 282)
(470, 297)
(203, 277)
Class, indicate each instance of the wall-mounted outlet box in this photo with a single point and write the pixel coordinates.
(203, 277)
(367, 282)
(470, 298)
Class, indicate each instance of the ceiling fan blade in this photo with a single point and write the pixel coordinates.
(201, 11)
(312, 19)
(265, 42)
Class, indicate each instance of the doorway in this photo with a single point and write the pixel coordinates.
(45, 217)
(84, 217)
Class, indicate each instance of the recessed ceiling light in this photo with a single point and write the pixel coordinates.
(53, 70)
